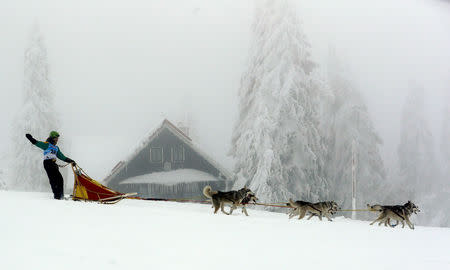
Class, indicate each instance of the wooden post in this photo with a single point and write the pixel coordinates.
(354, 164)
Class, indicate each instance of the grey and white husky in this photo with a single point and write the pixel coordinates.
(250, 198)
(400, 213)
(320, 209)
(233, 198)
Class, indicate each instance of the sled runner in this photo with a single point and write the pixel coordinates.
(87, 189)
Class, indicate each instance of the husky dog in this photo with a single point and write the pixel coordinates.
(320, 209)
(327, 208)
(295, 205)
(250, 198)
(233, 198)
(400, 213)
(380, 208)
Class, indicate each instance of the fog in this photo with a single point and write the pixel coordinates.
(118, 68)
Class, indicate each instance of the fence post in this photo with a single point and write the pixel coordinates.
(354, 179)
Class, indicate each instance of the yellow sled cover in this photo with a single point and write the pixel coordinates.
(87, 189)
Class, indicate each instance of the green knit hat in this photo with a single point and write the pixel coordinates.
(54, 134)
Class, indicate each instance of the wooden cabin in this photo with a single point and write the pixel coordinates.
(167, 164)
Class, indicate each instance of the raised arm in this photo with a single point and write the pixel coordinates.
(39, 144)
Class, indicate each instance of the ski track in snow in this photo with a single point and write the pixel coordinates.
(38, 232)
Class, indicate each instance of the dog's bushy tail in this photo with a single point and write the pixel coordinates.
(208, 192)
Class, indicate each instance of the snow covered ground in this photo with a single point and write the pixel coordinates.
(37, 232)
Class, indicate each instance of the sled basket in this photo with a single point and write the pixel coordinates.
(87, 189)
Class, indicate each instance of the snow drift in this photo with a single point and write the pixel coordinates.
(41, 233)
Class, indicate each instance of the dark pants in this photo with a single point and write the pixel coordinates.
(55, 178)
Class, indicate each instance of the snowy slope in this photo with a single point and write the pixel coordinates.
(40, 233)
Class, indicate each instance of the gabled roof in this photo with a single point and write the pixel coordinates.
(166, 124)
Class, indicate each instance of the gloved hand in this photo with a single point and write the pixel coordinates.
(68, 160)
(30, 138)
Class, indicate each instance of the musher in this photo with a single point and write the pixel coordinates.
(51, 152)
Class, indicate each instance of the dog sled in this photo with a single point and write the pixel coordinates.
(87, 189)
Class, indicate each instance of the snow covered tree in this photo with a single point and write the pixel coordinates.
(418, 172)
(416, 150)
(276, 143)
(3, 172)
(350, 127)
(36, 116)
(445, 140)
(2, 180)
(441, 214)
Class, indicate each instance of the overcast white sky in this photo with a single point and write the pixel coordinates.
(119, 67)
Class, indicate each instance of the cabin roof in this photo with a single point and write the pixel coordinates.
(166, 124)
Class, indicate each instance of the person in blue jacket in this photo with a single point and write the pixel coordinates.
(51, 152)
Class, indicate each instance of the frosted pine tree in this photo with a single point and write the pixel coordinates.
(416, 150)
(442, 217)
(418, 172)
(2, 180)
(3, 173)
(276, 144)
(350, 126)
(445, 141)
(36, 116)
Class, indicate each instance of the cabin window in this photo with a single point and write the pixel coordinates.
(178, 153)
(156, 154)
